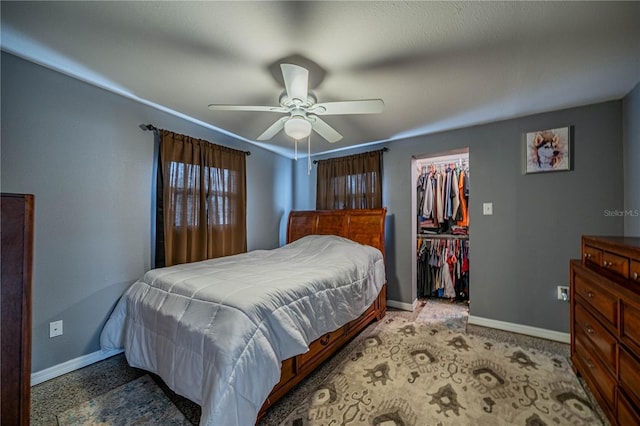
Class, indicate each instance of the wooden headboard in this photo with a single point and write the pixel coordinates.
(364, 226)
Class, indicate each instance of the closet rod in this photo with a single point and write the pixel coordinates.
(464, 161)
(439, 165)
(442, 237)
(155, 129)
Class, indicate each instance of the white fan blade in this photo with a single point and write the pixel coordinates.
(273, 129)
(216, 107)
(324, 130)
(365, 106)
(296, 81)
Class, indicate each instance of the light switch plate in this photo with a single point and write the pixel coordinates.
(487, 209)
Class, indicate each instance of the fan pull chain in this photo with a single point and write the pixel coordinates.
(309, 155)
(295, 156)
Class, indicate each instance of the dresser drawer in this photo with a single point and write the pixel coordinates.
(594, 371)
(592, 255)
(630, 374)
(599, 299)
(595, 335)
(634, 271)
(287, 372)
(616, 264)
(630, 324)
(627, 413)
(318, 346)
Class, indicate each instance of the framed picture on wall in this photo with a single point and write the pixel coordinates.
(548, 150)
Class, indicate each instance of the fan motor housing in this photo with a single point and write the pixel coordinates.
(287, 102)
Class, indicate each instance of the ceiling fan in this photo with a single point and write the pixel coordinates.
(303, 110)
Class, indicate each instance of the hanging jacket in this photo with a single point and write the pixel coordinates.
(462, 184)
(455, 200)
(440, 199)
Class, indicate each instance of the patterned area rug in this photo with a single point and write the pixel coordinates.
(139, 402)
(423, 372)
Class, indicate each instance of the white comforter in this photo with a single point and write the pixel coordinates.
(216, 331)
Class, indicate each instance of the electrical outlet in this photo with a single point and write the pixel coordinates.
(55, 328)
(563, 293)
(487, 209)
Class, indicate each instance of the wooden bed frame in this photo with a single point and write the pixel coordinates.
(365, 226)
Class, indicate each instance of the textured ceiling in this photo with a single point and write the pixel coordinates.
(436, 65)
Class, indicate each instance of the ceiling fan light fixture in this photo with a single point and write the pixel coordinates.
(297, 128)
(303, 109)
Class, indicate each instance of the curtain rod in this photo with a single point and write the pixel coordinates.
(385, 149)
(155, 129)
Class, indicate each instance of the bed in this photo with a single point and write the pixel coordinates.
(235, 334)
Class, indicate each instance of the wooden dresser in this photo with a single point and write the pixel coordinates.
(16, 221)
(605, 324)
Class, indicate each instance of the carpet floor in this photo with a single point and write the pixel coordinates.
(477, 383)
(139, 402)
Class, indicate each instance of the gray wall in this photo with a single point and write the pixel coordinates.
(521, 253)
(631, 136)
(80, 151)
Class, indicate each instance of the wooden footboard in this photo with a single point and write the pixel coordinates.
(365, 226)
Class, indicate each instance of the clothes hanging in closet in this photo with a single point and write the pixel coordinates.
(443, 268)
(443, 199)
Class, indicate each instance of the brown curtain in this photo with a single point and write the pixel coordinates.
(202, 200)
(351, 182)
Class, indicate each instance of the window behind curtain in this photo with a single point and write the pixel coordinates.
(220, 187)
(202, 200)
(351, 182)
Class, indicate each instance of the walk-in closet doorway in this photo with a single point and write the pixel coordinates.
(442, 185)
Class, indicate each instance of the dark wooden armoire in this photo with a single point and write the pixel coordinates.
(16, 225)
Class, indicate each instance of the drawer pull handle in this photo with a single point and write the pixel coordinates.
(635, 275)
(588, 329)
(606, 264)
(589, 363)
(590, 294)
(324, 340)
(587, 255)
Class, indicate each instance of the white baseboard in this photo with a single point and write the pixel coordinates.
(71, 365)
(521, 329)
(402, 305)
